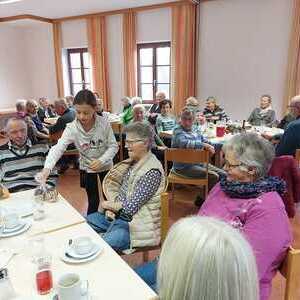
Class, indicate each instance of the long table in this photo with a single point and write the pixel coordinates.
(108, 275)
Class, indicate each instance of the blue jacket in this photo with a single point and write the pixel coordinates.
(290, 140)
(186, 139)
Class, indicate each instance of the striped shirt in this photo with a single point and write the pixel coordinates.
(165, 123)
(19, 165)
(216, 115)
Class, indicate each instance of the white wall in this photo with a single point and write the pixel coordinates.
(154, 25)
(14, 80)
(243, 52)
(27, 63)
(41, 61)
(74, 34)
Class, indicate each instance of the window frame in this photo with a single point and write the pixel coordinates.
(82, 68)
(154, 46)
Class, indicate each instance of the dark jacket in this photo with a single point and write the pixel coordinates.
(62, 121)
(42, 113)
(285, 167)
(290, 140)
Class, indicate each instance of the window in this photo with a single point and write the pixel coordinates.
(154, 67)
(79, 70)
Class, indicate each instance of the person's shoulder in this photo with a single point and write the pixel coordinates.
(293, 125)
(178, 130)
(4, 147)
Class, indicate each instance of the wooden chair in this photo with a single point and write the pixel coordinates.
(117, 129)
(297, 157)
(290, 269)
(54, 137)
(191, 156)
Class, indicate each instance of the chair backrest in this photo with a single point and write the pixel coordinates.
(290, 269)
(116, 127)
(297, 156)
(189, 156)
(54, 137)
(164, 225)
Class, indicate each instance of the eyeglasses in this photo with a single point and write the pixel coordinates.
(132, 142)
(231, 166)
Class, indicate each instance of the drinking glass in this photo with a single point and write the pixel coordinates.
(43, 276)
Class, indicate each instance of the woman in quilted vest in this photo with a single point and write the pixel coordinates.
(130, 217)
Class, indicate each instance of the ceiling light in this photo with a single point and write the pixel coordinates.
(9, 1)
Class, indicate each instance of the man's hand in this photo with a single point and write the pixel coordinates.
(95, 165)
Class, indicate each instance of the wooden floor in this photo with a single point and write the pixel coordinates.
(69, 188)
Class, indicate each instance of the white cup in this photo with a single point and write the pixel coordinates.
(82, 245)
(11, 220)
(70, 287)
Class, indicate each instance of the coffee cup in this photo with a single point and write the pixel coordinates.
(82, 245)
(71, 287)
(11, 220)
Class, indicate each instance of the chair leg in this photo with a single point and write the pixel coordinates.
(145, 256)
(173, 191)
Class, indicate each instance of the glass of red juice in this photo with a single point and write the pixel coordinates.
(44, 281)
(220, 131)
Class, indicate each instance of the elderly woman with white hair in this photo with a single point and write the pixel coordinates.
(130, 217)
(249, 200)
(126, 115)
(204, 258)
(213, 112)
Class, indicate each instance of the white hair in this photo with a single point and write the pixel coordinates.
(251, 150)
(21, 105)
(206, 259)
(136, 100)
(139, 107)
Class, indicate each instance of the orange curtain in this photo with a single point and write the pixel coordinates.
(130, 53)
(293, 70)
(57, 40)
(98, 50)
(183, 54)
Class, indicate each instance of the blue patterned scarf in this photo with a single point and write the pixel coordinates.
(247, 190)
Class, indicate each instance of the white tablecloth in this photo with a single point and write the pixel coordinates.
(108, 275)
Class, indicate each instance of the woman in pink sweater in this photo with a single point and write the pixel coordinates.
(250, 201)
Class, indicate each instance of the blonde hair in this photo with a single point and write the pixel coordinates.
(206, 259)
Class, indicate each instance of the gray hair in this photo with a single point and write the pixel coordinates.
(136, 100)
(61, 102)
(139, 107)
(252, 150)
(142, 130)
(126, 99)
(205, 259)
(192, 101)
(21, 105)
(11, 120)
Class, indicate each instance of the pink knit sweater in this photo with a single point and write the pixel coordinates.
(263, 222)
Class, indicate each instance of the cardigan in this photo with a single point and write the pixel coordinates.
(263, 222)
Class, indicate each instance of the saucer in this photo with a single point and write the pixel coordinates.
(67, 258)
(71, 252)
(17, 232)
(15, 228)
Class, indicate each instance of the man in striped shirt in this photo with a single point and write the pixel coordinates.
(20, 159)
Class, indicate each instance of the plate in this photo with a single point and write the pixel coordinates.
(17, 232)
(72, 252)
(71, 260)
(16, 228)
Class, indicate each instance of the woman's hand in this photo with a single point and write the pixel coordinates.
(95, 165)
(42, 176)
(209, 148)
(113, 206)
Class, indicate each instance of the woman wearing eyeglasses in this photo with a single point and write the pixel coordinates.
(250, 201)
(130, 217)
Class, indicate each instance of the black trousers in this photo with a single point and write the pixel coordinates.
(89, 182)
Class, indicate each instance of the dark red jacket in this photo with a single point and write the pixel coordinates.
(286, 168)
